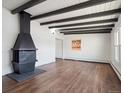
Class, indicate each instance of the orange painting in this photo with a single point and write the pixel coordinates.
(76, 44)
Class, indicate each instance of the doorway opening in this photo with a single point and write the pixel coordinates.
(59, 49)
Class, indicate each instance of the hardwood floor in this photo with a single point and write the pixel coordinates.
(67, 76)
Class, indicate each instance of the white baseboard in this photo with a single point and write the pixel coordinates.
(90, 60)
(116, 71)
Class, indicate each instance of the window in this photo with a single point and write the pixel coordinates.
(117, 44)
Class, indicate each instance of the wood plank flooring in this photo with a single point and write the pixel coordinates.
(65, 76)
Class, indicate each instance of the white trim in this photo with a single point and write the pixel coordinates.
(117, 72)
(91, 60)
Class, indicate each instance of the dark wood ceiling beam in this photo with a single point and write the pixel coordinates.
(99, 14)
(87, 32)
(88, 27)
(94, 30)
(72, 8)
(26, 6)
(86, 23)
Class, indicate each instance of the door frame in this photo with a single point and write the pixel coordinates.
(62, 47)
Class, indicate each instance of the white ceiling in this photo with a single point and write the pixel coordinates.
(12, 4)
(50, 5)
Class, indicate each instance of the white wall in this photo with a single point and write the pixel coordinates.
(116, 65)
(43, 39)
(45, 42)
(94, 47)
(10, 30)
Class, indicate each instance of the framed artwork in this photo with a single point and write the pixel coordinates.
(76, 44)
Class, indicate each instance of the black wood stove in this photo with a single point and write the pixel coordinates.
(24, 50)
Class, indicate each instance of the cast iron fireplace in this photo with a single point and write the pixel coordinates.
(24, 50)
